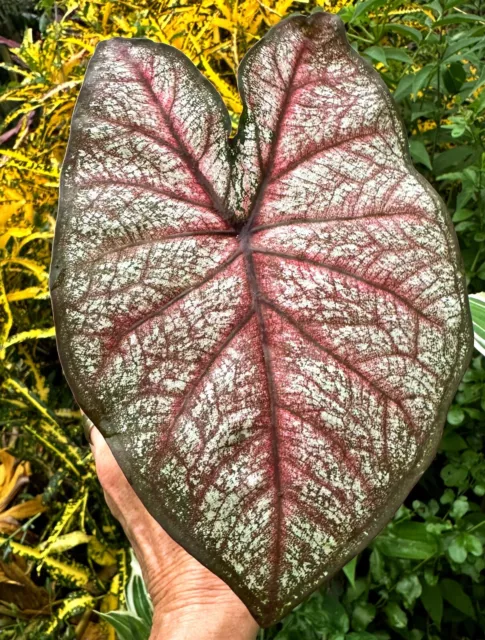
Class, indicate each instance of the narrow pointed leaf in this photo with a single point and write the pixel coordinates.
(268, 330)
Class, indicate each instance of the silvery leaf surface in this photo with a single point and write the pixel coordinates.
(269, 329)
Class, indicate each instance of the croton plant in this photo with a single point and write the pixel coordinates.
(268, 329)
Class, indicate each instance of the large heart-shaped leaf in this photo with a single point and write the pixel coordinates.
(269, 329)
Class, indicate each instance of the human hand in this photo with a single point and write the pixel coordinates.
(189, 601)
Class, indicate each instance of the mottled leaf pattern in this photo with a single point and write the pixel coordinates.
(268, 330)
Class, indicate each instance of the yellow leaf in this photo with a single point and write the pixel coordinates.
(227, 92)
(34, 334)
(23, 510)
(67, 541)
(38, 235)
(7, 319)
(100, 553)
(224, 8)
(13, 476)
(19, 387)
(70, 572)
(68, 413)
(49, 545)
(70, 607)
(20, 232)
(50, 432)
(45, 435)
(225, 24)
(119, 588)
(38, 270)
(106, 14)
(40, 386)
(31, 293)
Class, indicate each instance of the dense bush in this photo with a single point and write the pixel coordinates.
(63, 557)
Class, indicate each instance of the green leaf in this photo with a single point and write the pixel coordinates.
(410, 540)
(430, 577)
(419, 153)
(137, 599)
(393, 53)
(410, 588)
(376, 561)
(415, 531)
(455, 415)
(473, 544)
(376, 53)
(473, 569)
(460, 45)
(457, 18)
(460, 507)
(451, 159)
(437, 528)
(477, 308)
(365, 7)
(457, 551)
(408, 549)
(454, 77)
(141, 600)
(330, 616)
(453, 593)
(452, 176)
(435, 6)
(463, 214)
(422, 78)
(349, 570)
(449, 4)
(432, 600)
(126, 625)
(452, 442)
(404, 30)
(360, 587)
(454, 475)
(362, 616)
(448, 496)
(404, 88)
(396, 616)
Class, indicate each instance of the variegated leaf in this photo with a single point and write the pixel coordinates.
(269, 329)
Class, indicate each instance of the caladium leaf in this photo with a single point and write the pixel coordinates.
(269, 329)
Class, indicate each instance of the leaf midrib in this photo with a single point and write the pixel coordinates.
(244, 238)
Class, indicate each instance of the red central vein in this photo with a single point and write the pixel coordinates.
(267, 357)
(272, 394)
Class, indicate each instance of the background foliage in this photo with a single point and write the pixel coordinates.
(63, 559)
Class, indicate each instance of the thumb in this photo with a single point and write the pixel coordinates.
(103, 458)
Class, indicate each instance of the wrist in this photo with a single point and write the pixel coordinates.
(204, 620)
(189, 601)
(188, 604)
